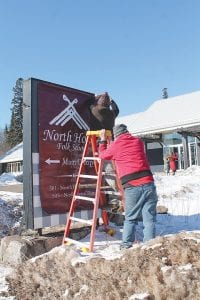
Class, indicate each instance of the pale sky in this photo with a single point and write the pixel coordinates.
(131, 49)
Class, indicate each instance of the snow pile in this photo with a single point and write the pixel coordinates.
(164, 268)
(11, 178)
(11, 211)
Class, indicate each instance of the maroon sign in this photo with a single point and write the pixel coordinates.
(63, 121)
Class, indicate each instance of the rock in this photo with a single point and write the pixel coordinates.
(161, 209)
(16, 249)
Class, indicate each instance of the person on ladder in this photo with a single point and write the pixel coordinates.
(104, 111)
(140, 197)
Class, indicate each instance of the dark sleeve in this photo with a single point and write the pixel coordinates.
(90, 101)
(114, 108)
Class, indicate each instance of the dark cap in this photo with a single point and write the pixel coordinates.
(119, 129)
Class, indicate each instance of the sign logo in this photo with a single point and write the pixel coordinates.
(69, 113)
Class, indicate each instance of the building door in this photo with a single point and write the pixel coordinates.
(192, 154)
(193, 159)
(176, 149)
(179, 150)
(180, 157)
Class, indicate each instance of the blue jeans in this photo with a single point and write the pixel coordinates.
(139, 201)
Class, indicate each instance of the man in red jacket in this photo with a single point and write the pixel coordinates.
(139, 190)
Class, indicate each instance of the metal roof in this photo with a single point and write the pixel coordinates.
(181, 113)
(13, 155)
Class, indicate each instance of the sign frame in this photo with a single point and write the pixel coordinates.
(35, 216)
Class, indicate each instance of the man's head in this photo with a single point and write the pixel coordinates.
(103, 99)
(119, 129)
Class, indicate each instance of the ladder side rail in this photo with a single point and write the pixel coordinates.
(96, 205)
(94, 141)
(95, 151)
(68, 224)
(82, 165)
(72, 206)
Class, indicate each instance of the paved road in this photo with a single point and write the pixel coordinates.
(15, 188)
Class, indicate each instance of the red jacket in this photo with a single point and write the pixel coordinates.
(172, 162)
(128, 153)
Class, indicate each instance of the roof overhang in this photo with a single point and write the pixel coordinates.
(9, 160)
(192, 128)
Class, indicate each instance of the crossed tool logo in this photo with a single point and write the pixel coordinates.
(69, 113)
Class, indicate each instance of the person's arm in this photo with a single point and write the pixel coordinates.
(90, 101)
(114, 107)
(104, 152)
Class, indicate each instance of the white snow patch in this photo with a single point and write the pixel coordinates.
(141, 296)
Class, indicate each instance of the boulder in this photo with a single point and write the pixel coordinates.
(16, 249)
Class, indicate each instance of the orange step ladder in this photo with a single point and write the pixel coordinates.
(98, 199)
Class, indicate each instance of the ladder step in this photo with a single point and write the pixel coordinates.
(81, 220)
(87, 185)
(74, 242)
(85, 198)
(91, 158)
(88, 176)
(109, 173)
(111, 193)
(105, 187)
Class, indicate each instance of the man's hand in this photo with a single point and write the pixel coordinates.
(103, 135)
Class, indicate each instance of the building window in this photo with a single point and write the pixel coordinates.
(172, 139)
(14, 167)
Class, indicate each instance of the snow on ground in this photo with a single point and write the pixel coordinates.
(179, 193)
(10, 212)
(10, 216)
(10, 178)
(4, 271)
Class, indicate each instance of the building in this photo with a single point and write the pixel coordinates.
(12, 161)
(169, 125)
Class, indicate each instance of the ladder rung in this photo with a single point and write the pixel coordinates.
(81, 220)
(108, 174)
(109, 178)
(105, 187)
(91, 158)
(74, 242)
(87, 185)
(111, 193)
(89, 176)
(84, 198)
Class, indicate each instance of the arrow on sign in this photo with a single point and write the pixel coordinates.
(49, 161)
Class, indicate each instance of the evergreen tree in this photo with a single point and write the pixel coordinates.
(3, 145)
(14, 134)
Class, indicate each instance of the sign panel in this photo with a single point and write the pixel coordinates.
(63, 119)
